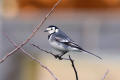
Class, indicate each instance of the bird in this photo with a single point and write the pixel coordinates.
(62, 43)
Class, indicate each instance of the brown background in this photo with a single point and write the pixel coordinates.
(71, 3)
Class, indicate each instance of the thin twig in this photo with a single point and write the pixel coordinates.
(29, 55)
(36, 29)
(74, 67)
(56, 56)
(105, 75)
(42, 49)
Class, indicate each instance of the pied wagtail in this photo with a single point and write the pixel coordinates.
(62, 43)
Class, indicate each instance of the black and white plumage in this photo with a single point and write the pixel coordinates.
(61, 42)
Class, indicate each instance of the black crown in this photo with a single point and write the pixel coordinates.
(53, 26)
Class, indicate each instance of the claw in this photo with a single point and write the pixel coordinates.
(58, 57)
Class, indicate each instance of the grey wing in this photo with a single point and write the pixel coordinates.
(68, 43)
(62, 37)
(66, 40)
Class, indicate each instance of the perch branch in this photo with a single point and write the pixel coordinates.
(56, 56)
(74, 67)
(35, 30)
(42, 49)
(61, 59)
(105, 75)
(29, 55)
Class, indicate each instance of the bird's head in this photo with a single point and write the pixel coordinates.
(52, 29)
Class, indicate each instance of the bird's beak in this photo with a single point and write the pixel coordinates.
(46, 31)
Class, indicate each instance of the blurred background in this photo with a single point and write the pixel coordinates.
(93, 24)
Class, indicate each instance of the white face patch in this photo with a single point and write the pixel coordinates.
(51, 30)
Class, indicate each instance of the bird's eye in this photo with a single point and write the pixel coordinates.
(52, 29)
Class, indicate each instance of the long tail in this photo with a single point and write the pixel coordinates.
(92, 54)
(72, 44)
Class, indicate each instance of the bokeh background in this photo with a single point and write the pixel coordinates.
(93, 24)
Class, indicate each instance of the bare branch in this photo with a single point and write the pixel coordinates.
(59, 59)
(33, 33)
(29, 55)
(56, 56)
(42, 49)
(74, 67)
(105, 75)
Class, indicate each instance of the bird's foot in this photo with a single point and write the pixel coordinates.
(58, 57)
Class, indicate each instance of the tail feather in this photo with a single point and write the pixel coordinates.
(72, 44)
(92, 54)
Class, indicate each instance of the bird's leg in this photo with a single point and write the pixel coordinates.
(57, 56)
(60, 56)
